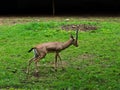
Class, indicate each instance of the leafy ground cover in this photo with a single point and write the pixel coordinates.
(94, 65)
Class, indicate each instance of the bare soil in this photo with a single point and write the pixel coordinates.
(16, 20)
(80, 27)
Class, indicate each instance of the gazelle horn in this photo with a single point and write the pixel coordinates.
(76, 34)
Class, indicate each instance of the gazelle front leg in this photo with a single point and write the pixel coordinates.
(60, 59)
(56, 61)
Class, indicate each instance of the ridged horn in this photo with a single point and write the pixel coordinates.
(76, 34)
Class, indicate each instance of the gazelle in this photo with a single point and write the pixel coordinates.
(41, 50)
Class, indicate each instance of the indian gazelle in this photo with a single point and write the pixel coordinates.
(41, 50)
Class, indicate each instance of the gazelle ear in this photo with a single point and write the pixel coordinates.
(71, 36)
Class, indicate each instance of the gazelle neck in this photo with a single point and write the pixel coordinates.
(67, 43)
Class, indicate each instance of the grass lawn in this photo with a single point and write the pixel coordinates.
(94, 65)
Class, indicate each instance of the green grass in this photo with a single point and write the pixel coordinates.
(94, 65)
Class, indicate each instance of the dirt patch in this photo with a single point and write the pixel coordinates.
(60, 64)
(86, 56)
(80, 27)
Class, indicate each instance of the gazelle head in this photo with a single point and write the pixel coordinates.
(75, 40)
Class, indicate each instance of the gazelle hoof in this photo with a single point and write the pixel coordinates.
(63, 69)
(36, 74)
(55, 70)
(27, 72)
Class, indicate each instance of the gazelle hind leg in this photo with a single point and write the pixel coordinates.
(36, 55)
(30, 61)
(42, 55)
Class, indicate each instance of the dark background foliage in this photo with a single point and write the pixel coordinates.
(39, 7)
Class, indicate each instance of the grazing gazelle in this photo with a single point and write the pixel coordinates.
(41, 50)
